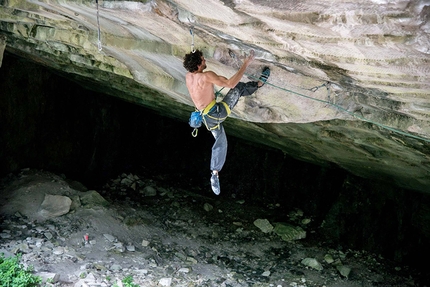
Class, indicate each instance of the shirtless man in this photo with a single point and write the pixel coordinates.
(200, 85)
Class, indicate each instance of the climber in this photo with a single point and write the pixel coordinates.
(200, 85)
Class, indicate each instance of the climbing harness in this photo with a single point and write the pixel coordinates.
(197, 117)
(99, 42)
(219, 120)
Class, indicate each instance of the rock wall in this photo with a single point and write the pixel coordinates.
(349, 84)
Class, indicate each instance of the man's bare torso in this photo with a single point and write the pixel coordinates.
(201, 91)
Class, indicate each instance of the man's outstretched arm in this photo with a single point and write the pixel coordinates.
(234, 80)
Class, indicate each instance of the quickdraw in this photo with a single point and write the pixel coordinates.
(99, 42)
(192, 39)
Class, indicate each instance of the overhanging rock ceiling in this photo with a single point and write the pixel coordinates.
(350, 81)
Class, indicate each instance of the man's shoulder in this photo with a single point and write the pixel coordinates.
(209, 74)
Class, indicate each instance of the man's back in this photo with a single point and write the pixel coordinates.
(200, 89)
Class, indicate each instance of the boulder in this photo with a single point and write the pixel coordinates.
(92, 198)
(264, 225)
(54, 206)
(289, 232)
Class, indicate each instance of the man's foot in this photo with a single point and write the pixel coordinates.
(215, 183)
(264, 76)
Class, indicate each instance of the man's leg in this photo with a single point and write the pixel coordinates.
(245, 89)
(219, 149)
(241, 89)
(219, 153)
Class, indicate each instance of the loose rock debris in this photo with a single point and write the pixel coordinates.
(165, 237)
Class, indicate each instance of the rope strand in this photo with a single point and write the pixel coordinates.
(345, 110)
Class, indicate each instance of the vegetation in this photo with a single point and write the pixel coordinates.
(128, 282)
(14, 274)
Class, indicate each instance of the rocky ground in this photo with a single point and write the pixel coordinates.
(160, 235)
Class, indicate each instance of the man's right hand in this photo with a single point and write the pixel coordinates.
(250, 58)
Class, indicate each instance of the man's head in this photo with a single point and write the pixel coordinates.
(192, 61)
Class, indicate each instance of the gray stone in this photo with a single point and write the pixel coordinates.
(58, 250)
(116, 267)
(39, 242)
(165, 281)
(343, 270)
(54, 206)
(22, 247)
(264, 225)
(109, 237)
(181, 256)
(328, 258)
(49, 277)
(207, 207)
(313, 263)
(92, 198)
(288, 232)
(5, 235)
(141, 271)
(149, 191)
(119, 247)
(48, 235)
(131, 248)
(184, 270)
(76, 202)
(126, 181)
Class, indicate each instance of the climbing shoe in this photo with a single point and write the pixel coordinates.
(264, 75)
(215, 183)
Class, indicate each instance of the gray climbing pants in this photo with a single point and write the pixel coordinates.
(218, 114)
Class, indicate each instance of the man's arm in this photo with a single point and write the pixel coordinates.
(234, 80)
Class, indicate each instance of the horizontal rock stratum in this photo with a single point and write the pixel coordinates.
(350, 82)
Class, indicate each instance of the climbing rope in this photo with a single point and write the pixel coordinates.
(99, 43)
(218, 93)
(327, 85)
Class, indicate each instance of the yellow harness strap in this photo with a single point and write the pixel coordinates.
(208, 108)
(227, 108)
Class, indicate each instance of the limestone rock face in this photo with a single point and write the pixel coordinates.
(350, 82)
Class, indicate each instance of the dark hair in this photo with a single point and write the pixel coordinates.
(192, 61)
